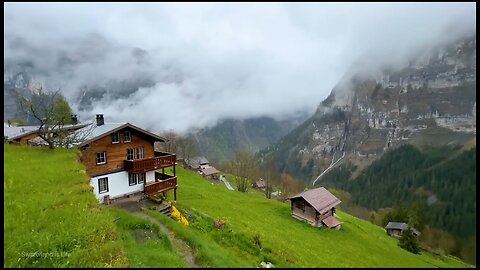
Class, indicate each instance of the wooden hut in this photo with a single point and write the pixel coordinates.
(315, 206)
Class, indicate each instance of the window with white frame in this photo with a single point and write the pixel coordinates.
(126, 136)
(132, 179)
(101, 158)
(130, 154)
(140, 152)
(115, 137)
(102, 185)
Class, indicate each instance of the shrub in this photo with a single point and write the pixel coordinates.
(409, 242)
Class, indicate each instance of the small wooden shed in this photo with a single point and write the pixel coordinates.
(396, 229)
(315, 206)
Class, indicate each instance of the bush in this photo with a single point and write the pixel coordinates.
(409, 242)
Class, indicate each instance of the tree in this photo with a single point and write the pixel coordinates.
(289, 185)
(17, 121)
(270, 175)
(188, 148)
(171, 141)
(409, 241)
(52, 112)
(244, 168)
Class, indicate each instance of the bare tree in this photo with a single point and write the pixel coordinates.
(171, 143)
(244, 167)
(270, 175)
(290, 185)
(187, 147)
(52, 112)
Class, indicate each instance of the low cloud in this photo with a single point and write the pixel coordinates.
(208, 61)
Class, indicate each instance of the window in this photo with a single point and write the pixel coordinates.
(141, 177)
(140, 152)
(101, 158)
(132, 179)
(130, 154)
(115, 138)
(136, 178)
(126, 136)
(102, 185)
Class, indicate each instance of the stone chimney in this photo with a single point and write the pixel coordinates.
(74, 119)
(100, 120)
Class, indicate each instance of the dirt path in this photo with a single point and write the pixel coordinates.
(179, 246)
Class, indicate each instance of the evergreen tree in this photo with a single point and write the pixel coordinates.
(409, 241)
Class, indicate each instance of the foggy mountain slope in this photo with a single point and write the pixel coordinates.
(187, 67)
(219, 142)
(431, 100)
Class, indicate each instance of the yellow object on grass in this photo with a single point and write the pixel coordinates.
(178, 216)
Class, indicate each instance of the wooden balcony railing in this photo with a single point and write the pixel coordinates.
(149, 164)
(161, 186)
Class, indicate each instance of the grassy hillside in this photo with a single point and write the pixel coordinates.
(51, 218)
(49, 208)
(285, 241)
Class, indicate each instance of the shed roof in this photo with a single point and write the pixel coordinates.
(331, 222)
(401, 226)
(209, 170)
(320, 198)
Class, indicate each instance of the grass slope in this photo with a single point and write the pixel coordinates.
(286, 241)
(49, 208)
(145, 245)
(51, 218)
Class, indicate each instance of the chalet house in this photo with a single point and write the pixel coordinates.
(198, 163)
(210, 172)
(315, 206)
(396, 229)
(120, 160)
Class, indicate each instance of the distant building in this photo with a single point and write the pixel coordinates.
(29, 134)
(397, 228)
(198, 162)
(315, 206)
(210, 172)
(260, 184)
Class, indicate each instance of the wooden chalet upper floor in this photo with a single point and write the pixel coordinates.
(122, 146)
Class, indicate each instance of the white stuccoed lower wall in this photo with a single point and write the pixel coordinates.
(118, 185)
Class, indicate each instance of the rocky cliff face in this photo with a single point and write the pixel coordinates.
(431, 100)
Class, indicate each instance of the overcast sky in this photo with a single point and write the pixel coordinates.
(210, 61)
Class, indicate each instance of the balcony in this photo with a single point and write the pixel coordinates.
(163, 182)
(161, 160)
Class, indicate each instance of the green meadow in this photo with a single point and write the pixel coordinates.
(49, 207)
(51, 218)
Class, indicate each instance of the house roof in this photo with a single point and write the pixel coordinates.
(98, 132)
(331, 222)
(17, 132)
(209, 170)
(196, 161)
(320, 198)
(401, 226)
